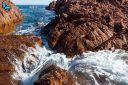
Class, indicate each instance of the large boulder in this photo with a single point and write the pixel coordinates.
(54, 75)
(88, 25)
(9, 18)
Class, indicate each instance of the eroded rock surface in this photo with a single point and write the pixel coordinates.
(54, 75)
(89, 25)
(9, 18)
(6, 79)
(11, 46)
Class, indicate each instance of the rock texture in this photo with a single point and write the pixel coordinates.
(88, 25)
(8, 19)
(5, 79)
(89, 75)
(10, 46)
(54, 75)
(51, 6)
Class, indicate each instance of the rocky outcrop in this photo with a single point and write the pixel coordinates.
(5, 79)
(9, 18)
(54, 75)
(88, 25)
(12, 47)
(51, 6)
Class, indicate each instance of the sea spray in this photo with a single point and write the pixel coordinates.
(111, 65)
(35, 60)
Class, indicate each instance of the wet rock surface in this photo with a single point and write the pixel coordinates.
(11, 47)
(9, 18)
(88, 75)
(5, 79)
(54, 75)
(88, 25)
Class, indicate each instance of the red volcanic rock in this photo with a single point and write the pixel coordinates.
(54, 75)
(89, 25)
(8, 19)
(10, 46)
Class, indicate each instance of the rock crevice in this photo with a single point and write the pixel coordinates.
(89, 25)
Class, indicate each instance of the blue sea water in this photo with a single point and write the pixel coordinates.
(35, 16)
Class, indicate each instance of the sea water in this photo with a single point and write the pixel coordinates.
(113, 65)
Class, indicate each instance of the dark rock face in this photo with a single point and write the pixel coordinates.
(55, 76)
(89, 76)
(89, 25)
(51, 5)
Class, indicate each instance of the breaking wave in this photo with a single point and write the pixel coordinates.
(91, 68)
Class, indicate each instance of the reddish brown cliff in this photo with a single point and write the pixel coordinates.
(89, 25)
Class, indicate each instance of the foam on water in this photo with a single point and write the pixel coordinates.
(35, 60)
(112, 65)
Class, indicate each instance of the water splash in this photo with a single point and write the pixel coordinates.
(34, 62)
(93, 68)
(110, 67)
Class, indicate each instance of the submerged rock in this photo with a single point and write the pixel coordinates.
(88, 25)
(54, 75)
(88, 75)
(9, 18)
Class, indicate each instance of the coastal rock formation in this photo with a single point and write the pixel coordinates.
(8, 18)
(51, 6)
(54, 75)
(5, 79)
(11, 46)
(88, 25)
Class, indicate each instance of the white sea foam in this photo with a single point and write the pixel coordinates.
(112, 65)
(36, 60)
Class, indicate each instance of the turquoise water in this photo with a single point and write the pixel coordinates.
(35, 16)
